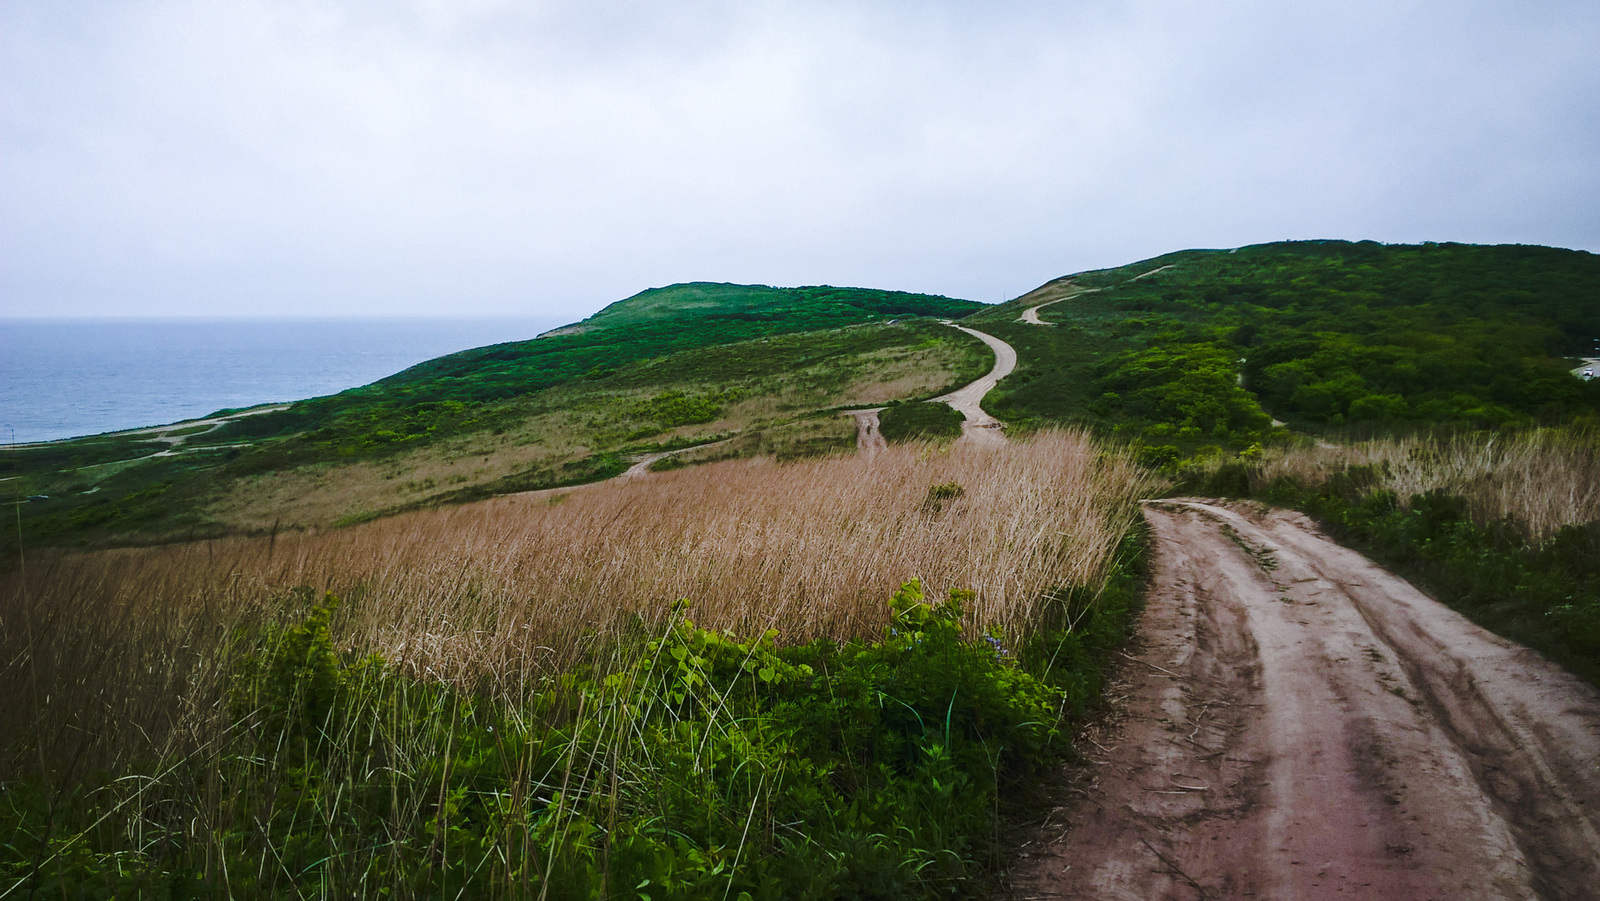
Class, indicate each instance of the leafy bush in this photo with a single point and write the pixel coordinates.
(941, 494)
(1193, 387)
(928, 419)
(705, 766)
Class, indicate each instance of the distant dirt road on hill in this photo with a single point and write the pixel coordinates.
(868, 437)
(979, 427)
(1031, 314)
(1299, 723)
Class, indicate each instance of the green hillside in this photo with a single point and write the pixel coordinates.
(665, 365)
(1188, 353)
(440, 397)
(1210, 346)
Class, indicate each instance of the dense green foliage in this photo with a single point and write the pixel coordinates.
(707, 767)
(904, 422)
(1320, 334)
(823, 306)
(651, 324)
(1189, 390)
(446, 395)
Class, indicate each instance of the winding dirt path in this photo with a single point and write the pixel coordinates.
(869, 439)
(1301, 724)
(1031, 314)
(979, 427)
(1150, 273)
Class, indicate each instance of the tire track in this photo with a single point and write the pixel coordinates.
(1299, 723)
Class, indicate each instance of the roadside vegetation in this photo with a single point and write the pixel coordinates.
(805, 680)
(414, 646)
(927, 420)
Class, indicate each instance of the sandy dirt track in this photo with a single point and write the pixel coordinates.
(868, 437)
(979, 427)
(1067, 292)
(1298, 723)
(1031, 314)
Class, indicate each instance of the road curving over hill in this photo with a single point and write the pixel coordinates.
(978, 427)
(1057, 293)
(1298, 723)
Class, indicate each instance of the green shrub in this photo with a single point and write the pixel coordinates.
(697, 765)
(927, 419)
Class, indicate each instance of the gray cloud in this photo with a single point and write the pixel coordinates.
(317, 156)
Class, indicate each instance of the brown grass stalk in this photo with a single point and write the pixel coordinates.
(1542, 479)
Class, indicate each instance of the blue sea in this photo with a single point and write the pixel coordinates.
(61, 378)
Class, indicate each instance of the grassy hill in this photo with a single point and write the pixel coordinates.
(1192, 352)
(1419, 401)
(667, 367)
(690, 685)
(1208, 347)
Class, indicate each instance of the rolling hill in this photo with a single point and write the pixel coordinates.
(667, 367)
(1208, 347)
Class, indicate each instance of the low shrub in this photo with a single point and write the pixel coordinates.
(927, 419)
(695, 765)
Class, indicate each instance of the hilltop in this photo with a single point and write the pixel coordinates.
(668, 367)
(1210, 347)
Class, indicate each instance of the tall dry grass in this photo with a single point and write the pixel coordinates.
(1543, 479)
(131, 646)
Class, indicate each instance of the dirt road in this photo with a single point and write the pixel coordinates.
(162, 434)
(1300, 724)
(1150, 273)
(979, 427)
(1054, 291)
(868, 438)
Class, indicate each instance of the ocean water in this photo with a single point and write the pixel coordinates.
(61, 378)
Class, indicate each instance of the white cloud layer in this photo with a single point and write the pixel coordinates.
(305, 157)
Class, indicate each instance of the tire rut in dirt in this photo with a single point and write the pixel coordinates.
(1299, 723)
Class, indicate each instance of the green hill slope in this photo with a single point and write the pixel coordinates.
(667, 366)
(1209, 346)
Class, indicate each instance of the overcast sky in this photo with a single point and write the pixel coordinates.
(474, 157)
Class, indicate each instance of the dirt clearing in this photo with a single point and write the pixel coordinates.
(1298, 723)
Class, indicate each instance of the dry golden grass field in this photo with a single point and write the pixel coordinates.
(1543, 479)
(131, 646)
